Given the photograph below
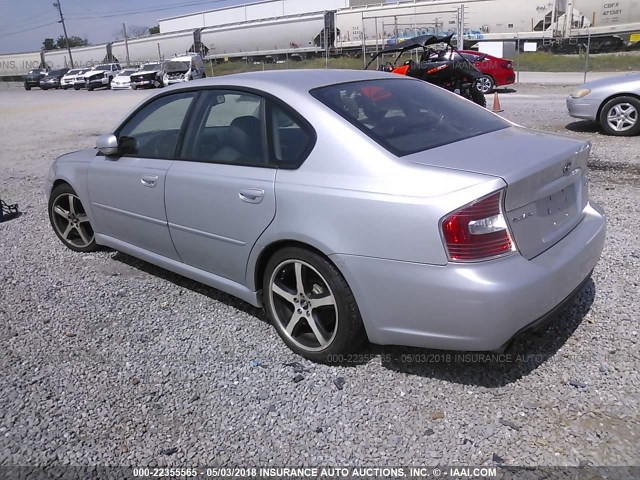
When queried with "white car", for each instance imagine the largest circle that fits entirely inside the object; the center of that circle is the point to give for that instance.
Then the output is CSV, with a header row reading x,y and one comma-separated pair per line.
x,y
101,76
69,78
122,81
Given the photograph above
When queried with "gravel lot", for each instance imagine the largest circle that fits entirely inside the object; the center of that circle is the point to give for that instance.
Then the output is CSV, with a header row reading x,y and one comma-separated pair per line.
x,y
108,360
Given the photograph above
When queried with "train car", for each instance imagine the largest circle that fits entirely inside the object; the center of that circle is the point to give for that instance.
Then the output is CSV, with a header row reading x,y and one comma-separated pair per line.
x,y
18,64
293,34
153,47
254,11
485,20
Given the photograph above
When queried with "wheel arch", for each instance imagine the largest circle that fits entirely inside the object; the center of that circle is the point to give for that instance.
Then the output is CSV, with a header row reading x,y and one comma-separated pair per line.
x,y
613,97
260,265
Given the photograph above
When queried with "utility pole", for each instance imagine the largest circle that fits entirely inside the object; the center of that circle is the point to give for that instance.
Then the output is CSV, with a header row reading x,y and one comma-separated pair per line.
x,y
64,28
126,42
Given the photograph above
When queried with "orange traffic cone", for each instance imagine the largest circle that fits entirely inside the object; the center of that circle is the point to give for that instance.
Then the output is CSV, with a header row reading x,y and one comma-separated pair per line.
x,y
496,104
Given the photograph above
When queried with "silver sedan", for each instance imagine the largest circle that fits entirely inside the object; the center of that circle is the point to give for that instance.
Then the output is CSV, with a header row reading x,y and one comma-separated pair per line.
x,y
350,205
613,102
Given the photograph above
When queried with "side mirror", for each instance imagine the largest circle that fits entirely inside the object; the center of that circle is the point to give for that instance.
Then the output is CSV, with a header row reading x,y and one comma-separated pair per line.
x,y
107,144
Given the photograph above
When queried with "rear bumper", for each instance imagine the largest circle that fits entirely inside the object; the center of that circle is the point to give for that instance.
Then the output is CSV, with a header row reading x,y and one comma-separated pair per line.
x,y
506,79
474,307
583,109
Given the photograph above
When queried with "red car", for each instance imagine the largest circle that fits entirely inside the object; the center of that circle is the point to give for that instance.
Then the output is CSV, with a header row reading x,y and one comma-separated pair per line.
x,y
497,71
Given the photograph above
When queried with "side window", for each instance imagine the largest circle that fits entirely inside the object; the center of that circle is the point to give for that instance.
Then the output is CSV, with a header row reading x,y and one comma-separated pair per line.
x,y
291,141
153,131
230,130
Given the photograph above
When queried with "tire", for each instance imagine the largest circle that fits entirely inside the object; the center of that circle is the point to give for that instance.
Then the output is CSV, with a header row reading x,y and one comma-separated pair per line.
x,y
318,332
134,86
478,97
70,221
27,87
76,88
89,88
44,89
109,84
485,84
619,117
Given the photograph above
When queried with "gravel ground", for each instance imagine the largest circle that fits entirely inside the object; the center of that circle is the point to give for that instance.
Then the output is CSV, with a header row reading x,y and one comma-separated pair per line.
x,y
108,360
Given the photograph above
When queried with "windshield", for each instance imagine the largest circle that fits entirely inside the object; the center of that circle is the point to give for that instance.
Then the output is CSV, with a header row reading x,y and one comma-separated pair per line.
x,y
408,116
36,71
126,73
102,67
151,67
57,72
73,72
177,66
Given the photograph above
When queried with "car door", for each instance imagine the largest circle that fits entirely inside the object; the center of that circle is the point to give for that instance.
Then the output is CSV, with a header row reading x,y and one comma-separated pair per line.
x,y
127,190
220,196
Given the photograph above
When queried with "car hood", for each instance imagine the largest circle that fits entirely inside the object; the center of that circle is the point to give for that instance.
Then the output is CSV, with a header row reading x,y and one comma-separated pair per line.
x,y
145,72
93,73
629,78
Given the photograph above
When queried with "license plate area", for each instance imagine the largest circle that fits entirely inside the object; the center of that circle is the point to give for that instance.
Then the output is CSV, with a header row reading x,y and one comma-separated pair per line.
x,y
558,212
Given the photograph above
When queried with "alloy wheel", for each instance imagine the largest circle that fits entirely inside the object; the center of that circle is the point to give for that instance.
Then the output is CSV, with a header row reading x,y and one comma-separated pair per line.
x,y
485,84
71,221
622,117
303,305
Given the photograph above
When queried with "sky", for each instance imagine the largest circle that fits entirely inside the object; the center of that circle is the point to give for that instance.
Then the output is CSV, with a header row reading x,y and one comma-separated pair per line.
x,y
24,24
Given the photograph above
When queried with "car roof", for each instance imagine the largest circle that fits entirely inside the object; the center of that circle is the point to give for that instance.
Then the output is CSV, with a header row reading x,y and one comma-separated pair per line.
x,y
300,81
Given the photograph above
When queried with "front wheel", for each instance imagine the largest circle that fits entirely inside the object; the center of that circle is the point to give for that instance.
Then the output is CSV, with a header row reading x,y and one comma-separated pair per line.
x,y
27,87
134,86
70,221
311,305
619,117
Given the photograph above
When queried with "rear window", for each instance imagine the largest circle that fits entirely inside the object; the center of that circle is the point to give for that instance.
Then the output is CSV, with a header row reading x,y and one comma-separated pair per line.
x,y
407,117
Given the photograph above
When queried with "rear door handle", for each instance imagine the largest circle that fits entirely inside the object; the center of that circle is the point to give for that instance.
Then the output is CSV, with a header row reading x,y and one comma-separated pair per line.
x,y
251,195
149,180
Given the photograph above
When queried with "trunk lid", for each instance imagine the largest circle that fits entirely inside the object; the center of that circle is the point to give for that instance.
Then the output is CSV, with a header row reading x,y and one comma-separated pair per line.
x,y
546,178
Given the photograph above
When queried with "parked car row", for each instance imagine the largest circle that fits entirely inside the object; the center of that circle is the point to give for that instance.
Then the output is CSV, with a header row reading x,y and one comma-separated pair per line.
x,y
113,75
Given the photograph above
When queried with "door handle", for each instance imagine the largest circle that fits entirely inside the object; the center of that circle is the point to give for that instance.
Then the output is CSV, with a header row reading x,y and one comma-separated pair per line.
x,y
251,195
149,180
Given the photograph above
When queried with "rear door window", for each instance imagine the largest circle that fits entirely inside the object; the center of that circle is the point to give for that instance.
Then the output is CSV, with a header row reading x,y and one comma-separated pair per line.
x,y
408,116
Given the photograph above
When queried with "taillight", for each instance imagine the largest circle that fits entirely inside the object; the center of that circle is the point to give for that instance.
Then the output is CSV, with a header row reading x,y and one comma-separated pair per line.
x,y
478,231
508,65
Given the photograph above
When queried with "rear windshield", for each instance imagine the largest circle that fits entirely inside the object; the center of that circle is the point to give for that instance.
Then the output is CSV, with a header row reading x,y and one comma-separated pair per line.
x,y
407,117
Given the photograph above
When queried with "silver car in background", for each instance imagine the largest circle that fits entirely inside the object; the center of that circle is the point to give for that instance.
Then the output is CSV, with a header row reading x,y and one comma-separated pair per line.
x,y
350,205
613,102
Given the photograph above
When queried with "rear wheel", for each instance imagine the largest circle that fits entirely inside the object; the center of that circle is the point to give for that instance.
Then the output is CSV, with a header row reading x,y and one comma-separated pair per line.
x,y
485,84
311,305
70,221
478,97
619,116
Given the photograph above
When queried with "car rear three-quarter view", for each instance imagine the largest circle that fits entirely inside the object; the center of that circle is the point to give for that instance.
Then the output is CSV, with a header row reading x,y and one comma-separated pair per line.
x,y
350,205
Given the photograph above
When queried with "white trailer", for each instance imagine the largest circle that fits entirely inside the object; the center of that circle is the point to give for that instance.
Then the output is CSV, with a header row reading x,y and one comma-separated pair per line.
x,y
16,64
250,12
153,48
292,34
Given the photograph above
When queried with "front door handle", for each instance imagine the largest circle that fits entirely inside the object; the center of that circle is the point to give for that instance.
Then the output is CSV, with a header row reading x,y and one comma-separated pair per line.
x,y
251,195
149,180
